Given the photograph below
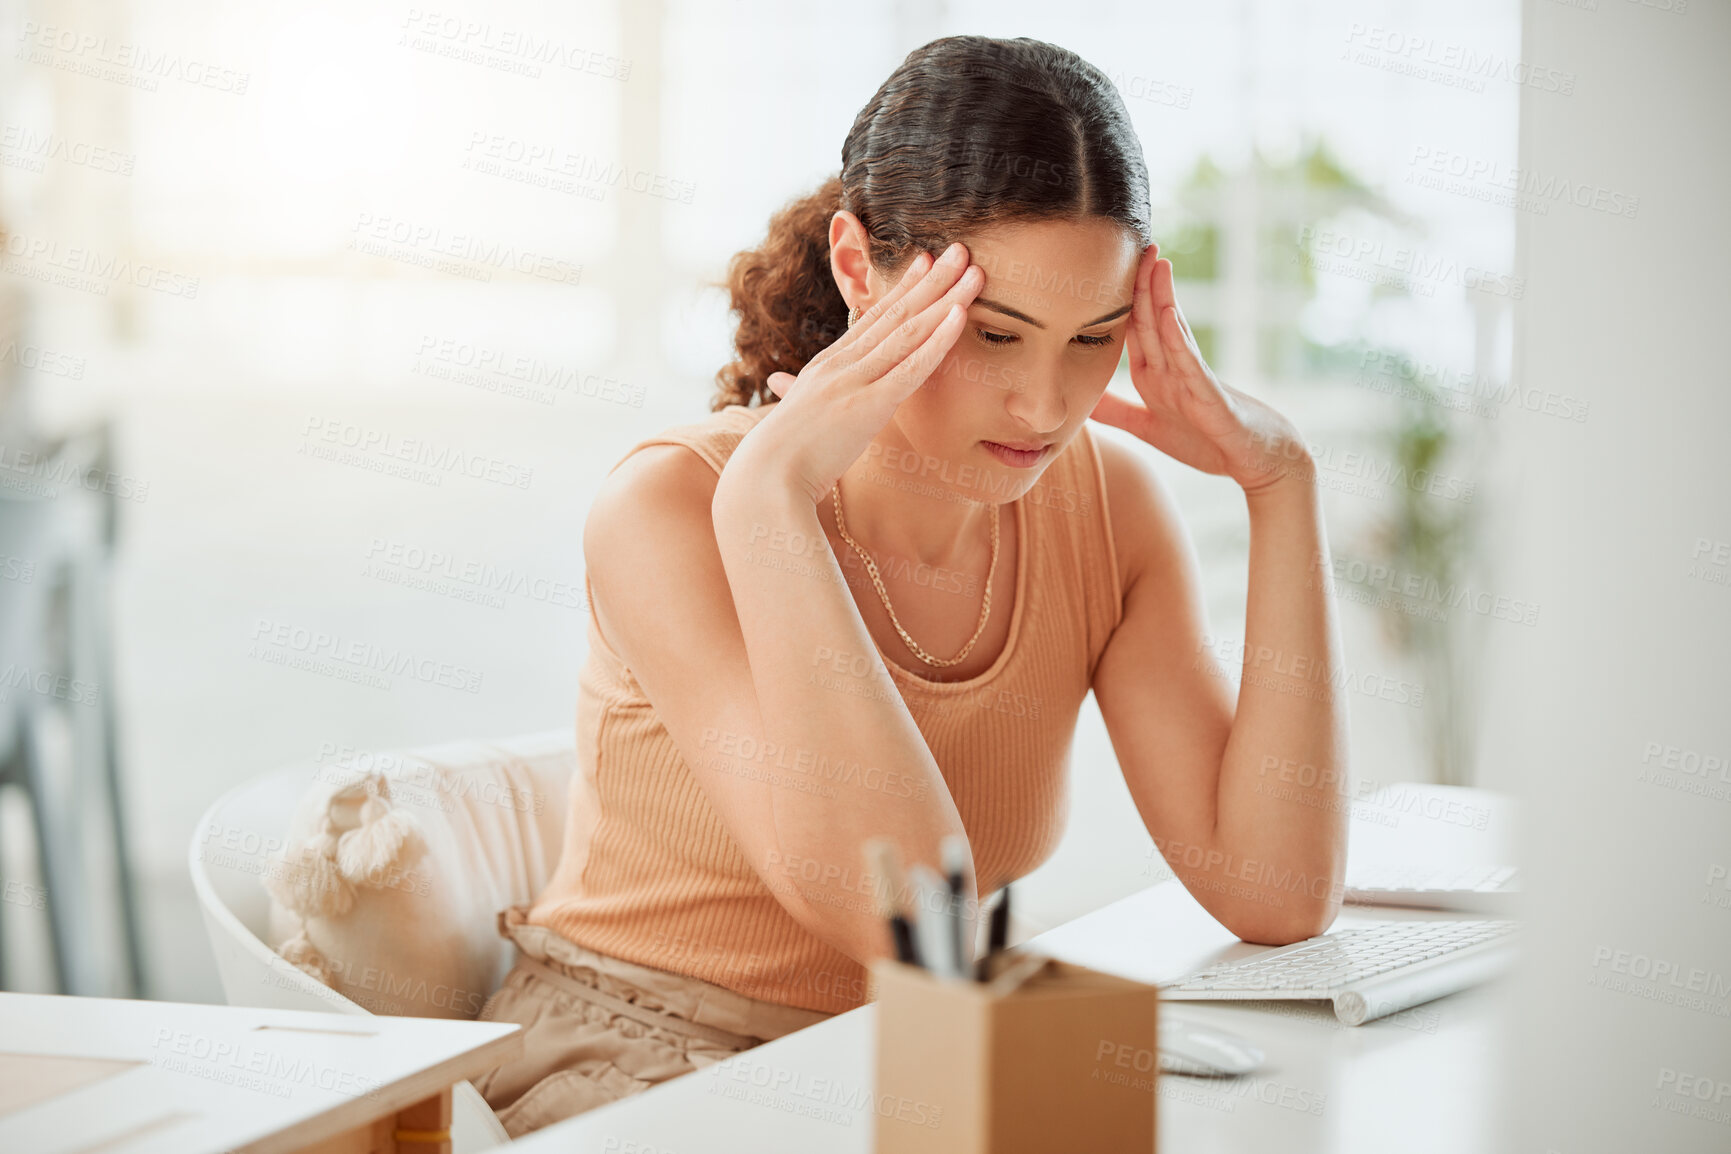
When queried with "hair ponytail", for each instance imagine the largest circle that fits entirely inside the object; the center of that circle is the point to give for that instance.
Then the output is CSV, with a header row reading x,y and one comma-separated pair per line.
x,y
785,296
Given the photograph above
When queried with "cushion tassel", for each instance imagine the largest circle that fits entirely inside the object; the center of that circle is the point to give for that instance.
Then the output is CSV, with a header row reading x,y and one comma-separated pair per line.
x,y
308,880
385,837
300,952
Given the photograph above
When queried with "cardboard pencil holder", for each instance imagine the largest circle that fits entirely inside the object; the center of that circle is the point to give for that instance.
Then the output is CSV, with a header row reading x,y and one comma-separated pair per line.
x,y
1065,1060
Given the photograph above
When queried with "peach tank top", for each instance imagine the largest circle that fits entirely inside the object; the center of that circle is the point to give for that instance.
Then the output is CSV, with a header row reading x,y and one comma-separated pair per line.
x,y
649,874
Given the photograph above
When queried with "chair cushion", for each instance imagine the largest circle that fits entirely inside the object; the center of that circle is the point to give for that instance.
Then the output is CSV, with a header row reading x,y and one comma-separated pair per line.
x,y
396,865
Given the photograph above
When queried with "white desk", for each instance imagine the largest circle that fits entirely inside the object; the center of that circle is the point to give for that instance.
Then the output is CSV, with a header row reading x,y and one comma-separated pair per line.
x,y
82,1075
1419,1082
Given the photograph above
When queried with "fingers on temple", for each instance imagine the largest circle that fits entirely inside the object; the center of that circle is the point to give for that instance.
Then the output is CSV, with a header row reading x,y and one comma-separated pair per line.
x,y
1167,299
852,344
1144,315
918,272
911,371
914,292
1164,292
884,349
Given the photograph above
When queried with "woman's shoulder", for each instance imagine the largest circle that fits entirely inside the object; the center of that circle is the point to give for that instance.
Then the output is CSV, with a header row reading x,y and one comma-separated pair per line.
x,y
1140,511
714,436
710,439
728,418
648,540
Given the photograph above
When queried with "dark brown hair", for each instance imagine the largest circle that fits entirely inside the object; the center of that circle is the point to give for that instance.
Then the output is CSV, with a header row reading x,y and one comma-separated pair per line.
x,y
968,132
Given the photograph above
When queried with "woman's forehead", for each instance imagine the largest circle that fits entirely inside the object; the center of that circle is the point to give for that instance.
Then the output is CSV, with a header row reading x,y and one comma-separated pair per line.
x,y
1068,271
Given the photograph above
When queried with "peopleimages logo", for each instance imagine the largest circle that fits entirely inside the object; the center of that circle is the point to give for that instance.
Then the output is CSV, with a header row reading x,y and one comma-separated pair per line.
x,y
87,269
23,147
830,1099
1428,58
328,438
1404,589
1467,386
443,572
505,49
74,690
282,642
531,378
134,65
1409,262
43,360
495,154
460,253
1660,979
736,748
253,1067
1296,674
1543,187
47,470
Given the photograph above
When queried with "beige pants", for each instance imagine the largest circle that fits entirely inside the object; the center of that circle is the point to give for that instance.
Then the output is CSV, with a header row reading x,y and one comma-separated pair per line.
x,y
597,1028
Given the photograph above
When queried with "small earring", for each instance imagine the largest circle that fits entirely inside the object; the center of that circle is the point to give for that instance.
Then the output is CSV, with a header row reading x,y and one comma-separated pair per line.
x,y
852,316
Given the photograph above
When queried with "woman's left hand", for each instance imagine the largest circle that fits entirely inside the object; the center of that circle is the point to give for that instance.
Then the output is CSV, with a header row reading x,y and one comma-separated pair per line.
x,y
1187,413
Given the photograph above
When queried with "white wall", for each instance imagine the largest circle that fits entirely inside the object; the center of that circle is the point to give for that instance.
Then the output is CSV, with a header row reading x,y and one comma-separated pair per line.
x,y
1634,647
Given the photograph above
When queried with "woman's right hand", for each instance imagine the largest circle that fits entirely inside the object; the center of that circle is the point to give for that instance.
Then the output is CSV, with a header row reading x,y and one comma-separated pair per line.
x,y
828,414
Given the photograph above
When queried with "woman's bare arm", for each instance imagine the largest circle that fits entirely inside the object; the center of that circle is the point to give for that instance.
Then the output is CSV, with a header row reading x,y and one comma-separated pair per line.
x,y
803,635
1244,801
803,792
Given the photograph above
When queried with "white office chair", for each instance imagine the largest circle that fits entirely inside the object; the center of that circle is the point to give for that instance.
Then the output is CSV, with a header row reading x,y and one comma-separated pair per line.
x,y
237,909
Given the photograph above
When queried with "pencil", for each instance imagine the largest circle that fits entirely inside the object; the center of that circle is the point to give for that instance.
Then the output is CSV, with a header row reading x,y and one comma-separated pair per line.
x,y
1000,931
998,935
955,855
882,861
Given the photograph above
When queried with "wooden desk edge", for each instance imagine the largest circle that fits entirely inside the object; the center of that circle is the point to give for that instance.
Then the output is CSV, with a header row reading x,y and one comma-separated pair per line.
x,y
360,1112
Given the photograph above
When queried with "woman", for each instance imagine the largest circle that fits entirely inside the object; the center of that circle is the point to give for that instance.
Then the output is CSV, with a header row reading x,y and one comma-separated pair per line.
x,y
756,706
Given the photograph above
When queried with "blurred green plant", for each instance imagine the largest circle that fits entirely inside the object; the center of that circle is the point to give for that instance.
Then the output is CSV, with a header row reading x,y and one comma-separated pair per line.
x,y
1287,199
1435,541
1291,204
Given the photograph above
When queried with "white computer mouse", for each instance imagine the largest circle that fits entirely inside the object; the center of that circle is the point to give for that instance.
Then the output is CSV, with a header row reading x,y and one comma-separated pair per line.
x,y
1186,1048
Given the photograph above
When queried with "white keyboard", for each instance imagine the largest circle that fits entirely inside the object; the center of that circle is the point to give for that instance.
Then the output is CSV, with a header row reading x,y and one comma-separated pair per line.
x,y
1367,973
1478,889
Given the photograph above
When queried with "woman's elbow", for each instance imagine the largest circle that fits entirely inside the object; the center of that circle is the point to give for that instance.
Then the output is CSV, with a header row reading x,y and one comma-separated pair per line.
x,y
1293,922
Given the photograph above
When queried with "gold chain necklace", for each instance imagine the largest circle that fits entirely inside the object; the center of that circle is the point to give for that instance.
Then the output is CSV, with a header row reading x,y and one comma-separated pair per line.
x,y
871,567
